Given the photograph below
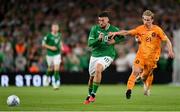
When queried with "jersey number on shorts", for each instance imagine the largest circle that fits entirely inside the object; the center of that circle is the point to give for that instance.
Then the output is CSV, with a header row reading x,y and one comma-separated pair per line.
x,y
106,60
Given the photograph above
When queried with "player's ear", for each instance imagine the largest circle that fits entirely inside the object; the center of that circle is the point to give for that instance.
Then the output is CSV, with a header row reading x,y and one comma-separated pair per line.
x,y
152,19
107,19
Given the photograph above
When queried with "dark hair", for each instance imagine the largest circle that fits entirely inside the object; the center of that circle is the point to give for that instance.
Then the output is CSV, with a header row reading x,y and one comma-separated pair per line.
x,y
104,14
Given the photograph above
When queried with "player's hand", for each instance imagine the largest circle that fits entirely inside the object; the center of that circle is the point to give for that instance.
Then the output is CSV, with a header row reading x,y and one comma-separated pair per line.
x,y
111,41
101,36
171,54
111,35
53,48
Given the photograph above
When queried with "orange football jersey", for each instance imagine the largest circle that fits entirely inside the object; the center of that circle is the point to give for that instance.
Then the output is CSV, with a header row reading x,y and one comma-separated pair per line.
x,y
150,41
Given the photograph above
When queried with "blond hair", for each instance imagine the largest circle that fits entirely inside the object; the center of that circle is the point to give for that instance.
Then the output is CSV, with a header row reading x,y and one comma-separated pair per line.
x,y
148,13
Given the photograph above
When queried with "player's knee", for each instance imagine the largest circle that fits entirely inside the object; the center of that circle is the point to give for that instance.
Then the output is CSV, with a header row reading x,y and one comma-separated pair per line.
x,y
56,68
144,77
99,69
137,71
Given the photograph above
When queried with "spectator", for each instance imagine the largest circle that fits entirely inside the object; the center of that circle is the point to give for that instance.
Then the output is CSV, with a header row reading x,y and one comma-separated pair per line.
x,y
121,62
130,57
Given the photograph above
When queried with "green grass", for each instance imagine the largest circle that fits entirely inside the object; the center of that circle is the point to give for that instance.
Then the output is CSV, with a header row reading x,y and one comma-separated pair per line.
x,y
109,98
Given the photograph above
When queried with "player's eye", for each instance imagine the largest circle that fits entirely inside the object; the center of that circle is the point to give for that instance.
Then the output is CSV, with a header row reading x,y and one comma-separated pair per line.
x,y
101,20
146,19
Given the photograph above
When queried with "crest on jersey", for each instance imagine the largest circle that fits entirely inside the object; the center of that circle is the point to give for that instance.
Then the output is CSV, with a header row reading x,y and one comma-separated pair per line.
x,y
153,34
56,40
137,61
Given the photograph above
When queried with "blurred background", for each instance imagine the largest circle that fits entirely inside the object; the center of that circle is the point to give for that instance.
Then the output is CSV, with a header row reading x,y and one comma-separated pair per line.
x,y
24,23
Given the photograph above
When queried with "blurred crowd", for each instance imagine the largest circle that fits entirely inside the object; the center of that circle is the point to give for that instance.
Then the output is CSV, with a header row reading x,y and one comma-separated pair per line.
x,y
24,23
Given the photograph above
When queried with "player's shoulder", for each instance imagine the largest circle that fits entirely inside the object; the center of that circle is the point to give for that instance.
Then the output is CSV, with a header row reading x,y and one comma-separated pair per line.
x,y
59,33
157,27
114,27
95,26
140,27
48,34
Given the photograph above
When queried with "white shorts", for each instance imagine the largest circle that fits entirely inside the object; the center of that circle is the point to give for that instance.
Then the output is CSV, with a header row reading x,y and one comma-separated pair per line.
x,y
53,60
104,61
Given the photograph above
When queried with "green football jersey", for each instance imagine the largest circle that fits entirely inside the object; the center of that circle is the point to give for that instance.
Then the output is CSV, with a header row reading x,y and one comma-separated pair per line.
x,y
102,48
53,40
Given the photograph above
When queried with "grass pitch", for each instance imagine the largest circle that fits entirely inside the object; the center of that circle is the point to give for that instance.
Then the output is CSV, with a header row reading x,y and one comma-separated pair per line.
x,y
109,98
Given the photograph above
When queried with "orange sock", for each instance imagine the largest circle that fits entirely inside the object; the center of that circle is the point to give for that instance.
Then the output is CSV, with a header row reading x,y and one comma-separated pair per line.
x,y
131,81
149,80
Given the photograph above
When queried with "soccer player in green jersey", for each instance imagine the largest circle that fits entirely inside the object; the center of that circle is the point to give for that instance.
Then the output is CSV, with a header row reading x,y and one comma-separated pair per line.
x,y
103,52
52,43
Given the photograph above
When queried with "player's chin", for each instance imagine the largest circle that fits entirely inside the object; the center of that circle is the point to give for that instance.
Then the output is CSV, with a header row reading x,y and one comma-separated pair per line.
x,y
102,25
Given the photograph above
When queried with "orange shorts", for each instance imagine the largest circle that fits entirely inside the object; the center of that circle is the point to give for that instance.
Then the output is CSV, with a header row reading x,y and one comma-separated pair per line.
x,y
147,66
141,62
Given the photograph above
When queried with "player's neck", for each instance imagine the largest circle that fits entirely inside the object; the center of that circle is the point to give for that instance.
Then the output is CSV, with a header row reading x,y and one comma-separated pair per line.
x,y
106,27
149,27
54,33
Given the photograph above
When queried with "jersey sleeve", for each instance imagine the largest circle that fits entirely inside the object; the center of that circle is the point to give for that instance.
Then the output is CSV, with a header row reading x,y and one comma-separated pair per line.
x,y
161,34
133,32
93,40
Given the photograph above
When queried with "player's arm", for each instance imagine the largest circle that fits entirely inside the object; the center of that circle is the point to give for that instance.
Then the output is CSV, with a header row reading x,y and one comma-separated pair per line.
x,y
123,33
168,42
61,45
53,48
92,40
44,45
116,39
170,48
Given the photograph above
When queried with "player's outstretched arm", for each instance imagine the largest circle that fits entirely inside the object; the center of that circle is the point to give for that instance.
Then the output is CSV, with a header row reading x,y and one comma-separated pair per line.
x,y
121,32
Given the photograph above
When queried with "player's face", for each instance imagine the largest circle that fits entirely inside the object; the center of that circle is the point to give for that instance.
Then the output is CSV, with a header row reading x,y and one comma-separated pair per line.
x,y
147,20
55,28
103,21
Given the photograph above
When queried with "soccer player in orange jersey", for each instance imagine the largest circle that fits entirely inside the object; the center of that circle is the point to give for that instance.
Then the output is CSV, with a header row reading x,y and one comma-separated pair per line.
x,y
150,37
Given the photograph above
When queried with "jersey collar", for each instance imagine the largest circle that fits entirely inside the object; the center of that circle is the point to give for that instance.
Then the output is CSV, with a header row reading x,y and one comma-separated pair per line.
x,y
107,27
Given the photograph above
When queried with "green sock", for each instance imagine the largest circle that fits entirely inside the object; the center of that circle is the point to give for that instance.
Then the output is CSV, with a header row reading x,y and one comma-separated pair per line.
x,y
49,73
90,89
95,87
56,76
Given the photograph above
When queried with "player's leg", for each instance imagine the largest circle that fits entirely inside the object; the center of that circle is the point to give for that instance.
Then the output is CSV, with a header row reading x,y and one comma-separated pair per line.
x,y
56,61
96,66
96,81
132,79
49,71
147,76
101,65
136,71
91,77
148,82
90,83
